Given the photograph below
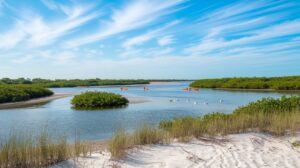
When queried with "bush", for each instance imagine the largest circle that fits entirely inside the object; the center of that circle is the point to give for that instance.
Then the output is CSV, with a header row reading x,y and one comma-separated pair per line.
x,y
14,93
98,100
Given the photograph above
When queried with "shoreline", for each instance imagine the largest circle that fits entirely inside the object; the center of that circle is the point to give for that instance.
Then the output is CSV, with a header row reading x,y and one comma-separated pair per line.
x,y
44,100
235,150
136,100
252,90
133,85
36,101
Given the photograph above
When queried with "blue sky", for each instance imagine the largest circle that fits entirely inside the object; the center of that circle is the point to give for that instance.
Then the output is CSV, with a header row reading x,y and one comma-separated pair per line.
x,y
183,39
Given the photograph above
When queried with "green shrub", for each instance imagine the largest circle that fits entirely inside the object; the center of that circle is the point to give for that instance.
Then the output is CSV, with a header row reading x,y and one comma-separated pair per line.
x,y
98,100
14,93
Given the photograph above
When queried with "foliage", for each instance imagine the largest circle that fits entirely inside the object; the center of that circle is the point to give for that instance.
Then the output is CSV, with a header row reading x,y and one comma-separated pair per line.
x,y
275,116
98,100
14,93
276,83
71,83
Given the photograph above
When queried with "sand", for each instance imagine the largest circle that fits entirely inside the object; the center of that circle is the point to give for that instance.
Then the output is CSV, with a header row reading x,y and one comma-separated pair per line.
x,y
135,100
239,150
44,100
33,102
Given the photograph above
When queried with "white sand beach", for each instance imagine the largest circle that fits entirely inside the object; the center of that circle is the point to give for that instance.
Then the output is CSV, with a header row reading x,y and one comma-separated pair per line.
x,y
239,150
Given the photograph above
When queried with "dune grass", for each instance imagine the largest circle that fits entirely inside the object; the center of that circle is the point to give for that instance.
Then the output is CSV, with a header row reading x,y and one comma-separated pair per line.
x,y
122,141
274,116
26,151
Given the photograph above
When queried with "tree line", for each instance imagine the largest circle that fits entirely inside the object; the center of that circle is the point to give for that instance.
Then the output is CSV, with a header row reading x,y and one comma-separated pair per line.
x,y
275,83
72,82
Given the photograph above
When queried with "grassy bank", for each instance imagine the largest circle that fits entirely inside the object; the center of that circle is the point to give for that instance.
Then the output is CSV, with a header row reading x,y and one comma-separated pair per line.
x,y
24,151
275,83
98,100
71,83
15,93
274,116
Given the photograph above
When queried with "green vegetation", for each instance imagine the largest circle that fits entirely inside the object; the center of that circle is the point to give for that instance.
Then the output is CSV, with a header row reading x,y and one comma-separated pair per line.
x,y
41,151
14,93
71,83
274,116
98,100
144,135
275,83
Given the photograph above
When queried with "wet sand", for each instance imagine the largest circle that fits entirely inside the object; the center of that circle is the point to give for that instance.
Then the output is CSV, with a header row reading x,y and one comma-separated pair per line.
x,y
44,100
32,102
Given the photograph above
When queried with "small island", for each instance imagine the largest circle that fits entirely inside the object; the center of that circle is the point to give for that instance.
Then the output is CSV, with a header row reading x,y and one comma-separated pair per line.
x,y
93,100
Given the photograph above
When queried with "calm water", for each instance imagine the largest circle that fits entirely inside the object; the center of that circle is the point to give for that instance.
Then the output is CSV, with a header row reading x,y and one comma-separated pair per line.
x,y
59,117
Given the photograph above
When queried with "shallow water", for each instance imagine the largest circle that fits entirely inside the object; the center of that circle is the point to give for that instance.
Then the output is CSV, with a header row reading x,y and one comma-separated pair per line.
x,y
59,118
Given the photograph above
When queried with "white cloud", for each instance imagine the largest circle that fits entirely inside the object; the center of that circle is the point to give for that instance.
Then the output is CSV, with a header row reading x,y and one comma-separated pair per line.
x,y
165,40
280,30
50,4
137,40
242,25
34,31
134,15
12,37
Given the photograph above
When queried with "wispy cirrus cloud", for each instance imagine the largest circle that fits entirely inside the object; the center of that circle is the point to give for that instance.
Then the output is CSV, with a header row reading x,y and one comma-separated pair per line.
x,y
134,15
51,38
33,30
165,40
150,35
243,25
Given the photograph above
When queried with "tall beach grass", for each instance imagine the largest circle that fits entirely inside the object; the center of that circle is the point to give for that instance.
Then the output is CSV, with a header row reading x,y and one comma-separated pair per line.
x,y
27,151
269,115
122,140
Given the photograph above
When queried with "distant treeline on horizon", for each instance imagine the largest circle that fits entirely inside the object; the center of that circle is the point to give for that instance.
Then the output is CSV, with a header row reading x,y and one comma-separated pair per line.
x,y
273,83
71,82
78,82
